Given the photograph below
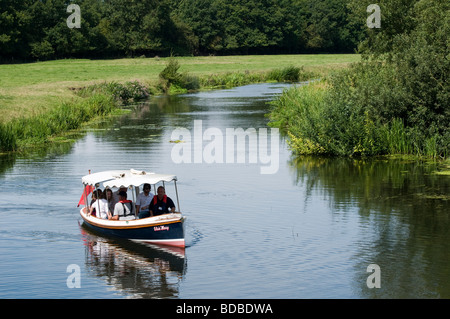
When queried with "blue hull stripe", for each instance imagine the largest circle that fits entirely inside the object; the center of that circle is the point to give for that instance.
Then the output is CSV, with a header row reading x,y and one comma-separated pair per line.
x,y
159,232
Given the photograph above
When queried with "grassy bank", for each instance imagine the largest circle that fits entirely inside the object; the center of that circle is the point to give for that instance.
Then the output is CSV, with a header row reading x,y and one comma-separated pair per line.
x,y
329,117
21,132
42,99
89,103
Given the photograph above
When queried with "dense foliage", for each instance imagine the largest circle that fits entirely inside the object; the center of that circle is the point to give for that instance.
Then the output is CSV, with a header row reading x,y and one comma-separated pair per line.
x,y
37,29
395,101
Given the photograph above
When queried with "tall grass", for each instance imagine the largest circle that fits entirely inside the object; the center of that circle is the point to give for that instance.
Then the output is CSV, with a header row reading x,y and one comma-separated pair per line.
x,y
232,79
172,81
298,112
8,140
70,115
123,92
397,139
228,80
96,100
290,74
316,124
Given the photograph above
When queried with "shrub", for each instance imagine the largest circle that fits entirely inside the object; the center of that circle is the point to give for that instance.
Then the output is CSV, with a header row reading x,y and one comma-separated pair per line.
x,y
124,93
189,82
287,74
169,75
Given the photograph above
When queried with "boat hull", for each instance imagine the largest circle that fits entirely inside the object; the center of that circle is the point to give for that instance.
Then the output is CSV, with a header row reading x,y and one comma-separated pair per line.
x,y
165,230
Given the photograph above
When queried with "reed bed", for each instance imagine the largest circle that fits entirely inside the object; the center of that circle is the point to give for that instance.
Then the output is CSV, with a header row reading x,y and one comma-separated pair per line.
x,y
21,132
317,124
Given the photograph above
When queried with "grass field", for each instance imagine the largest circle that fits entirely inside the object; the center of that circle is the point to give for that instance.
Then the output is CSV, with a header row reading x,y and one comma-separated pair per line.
x,y
34,88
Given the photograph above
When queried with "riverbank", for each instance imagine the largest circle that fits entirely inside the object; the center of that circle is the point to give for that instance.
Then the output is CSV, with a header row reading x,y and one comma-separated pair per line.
x,y
39,100
338,117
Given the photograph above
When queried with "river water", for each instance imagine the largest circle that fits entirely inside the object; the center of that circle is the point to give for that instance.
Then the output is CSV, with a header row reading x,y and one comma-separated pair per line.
x,y
308,228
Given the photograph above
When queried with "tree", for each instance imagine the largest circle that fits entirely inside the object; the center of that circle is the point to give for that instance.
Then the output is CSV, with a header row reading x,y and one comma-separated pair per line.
x,y
14,24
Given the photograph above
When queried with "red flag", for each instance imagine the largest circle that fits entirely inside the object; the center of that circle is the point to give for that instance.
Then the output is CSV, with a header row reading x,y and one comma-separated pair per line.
x,y
87,190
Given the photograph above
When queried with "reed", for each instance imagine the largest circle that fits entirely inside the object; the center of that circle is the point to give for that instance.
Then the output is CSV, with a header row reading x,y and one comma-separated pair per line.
x,y
316,124
298,112
127,92
290,74
8,141
397,139
24,132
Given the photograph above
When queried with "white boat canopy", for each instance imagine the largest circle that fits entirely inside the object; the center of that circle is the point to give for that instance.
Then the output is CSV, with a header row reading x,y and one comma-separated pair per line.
x,y
125,178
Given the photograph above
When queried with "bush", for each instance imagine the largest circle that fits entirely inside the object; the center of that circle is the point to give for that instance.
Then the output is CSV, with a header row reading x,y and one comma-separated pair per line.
x,y
287,74
189,82
124,93
352,113
169,75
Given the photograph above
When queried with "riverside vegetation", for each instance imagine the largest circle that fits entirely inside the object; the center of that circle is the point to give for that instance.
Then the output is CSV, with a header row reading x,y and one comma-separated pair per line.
x,y
394,101
103,98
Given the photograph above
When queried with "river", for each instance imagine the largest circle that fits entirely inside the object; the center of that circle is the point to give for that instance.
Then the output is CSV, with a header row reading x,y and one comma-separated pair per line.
x,y
260,223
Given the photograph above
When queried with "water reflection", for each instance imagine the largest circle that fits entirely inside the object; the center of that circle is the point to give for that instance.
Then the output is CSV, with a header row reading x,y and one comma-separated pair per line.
x,y
403,220
133,270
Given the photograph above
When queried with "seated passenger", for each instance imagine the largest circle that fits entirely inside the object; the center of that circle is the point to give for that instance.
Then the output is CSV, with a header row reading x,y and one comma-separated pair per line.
x,y
110,199
102,206
123,210
93,207
143,202
161,203
116,194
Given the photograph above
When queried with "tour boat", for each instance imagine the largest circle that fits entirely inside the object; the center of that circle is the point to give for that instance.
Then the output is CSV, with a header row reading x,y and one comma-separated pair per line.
x,y
166,229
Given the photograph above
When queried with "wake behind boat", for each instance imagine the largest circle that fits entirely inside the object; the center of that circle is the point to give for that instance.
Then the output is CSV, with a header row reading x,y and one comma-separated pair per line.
x,y
166,229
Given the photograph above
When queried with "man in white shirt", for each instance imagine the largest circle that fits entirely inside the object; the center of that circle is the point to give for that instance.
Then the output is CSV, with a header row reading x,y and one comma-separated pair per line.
x,y
123,209
143,202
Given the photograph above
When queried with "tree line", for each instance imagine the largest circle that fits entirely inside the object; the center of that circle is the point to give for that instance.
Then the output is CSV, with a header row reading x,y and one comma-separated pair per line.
x,y
38,29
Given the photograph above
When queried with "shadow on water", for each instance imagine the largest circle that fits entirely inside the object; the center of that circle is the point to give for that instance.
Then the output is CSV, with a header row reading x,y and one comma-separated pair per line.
x,y
403,216
132,269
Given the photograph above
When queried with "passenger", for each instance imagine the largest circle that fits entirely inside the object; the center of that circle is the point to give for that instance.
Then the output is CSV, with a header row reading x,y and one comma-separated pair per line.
x,y
102,206
116,194
110,199
123,210
143,202
92,208
161,203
